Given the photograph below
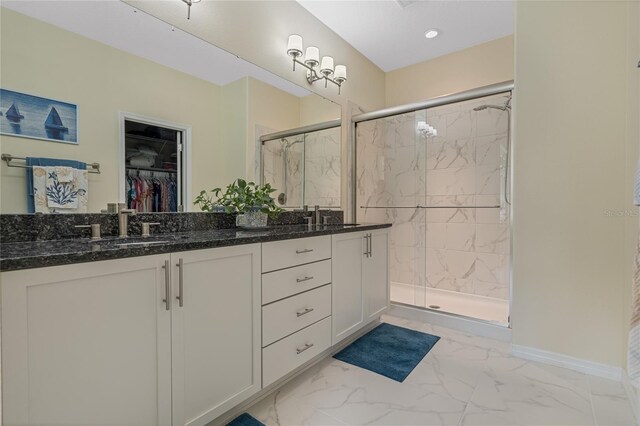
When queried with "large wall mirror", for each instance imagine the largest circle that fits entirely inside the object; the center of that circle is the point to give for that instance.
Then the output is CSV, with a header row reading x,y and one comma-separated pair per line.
x,y
153,104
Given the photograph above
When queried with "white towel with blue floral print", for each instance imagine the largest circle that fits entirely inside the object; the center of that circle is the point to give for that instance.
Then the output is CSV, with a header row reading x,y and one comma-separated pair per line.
x,y
51,195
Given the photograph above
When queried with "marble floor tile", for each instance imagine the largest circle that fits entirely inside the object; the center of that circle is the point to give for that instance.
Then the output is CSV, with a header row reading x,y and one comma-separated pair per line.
x,y
288,411
464,380
610,404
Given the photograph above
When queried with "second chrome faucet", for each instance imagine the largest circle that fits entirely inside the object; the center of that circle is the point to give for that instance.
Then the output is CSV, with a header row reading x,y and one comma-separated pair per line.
x,y
123,219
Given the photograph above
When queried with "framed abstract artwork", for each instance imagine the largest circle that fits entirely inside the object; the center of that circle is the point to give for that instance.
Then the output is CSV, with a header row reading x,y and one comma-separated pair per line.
x,y
33,117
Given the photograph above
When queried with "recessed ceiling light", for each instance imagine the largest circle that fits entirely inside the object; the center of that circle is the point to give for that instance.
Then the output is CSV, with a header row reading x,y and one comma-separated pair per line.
x,y
431,33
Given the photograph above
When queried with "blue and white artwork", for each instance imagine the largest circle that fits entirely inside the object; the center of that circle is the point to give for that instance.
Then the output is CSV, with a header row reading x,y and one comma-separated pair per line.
x,y
34,117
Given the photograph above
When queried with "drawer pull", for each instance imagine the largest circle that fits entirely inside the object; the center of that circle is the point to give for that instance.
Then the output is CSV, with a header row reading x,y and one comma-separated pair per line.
x,y
301,280
305,312
304,348
304,251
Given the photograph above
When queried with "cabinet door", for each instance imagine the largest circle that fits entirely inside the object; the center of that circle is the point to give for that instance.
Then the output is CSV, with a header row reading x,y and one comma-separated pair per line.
x,y
216,331
87,344
375,275
347,290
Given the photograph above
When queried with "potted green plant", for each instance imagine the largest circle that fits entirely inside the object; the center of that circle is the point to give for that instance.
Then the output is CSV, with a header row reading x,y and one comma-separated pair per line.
x,y
251,201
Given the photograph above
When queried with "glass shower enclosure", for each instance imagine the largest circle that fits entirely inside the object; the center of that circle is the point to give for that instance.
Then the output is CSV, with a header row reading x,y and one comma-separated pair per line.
x,y
440,175
304,167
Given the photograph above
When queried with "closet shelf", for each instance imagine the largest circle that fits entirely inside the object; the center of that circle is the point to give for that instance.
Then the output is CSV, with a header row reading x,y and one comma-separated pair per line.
x,y
150,169
148,138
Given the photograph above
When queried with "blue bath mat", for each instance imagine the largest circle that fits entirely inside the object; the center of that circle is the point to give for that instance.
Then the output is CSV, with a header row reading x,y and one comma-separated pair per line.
x,y
389,350
245,420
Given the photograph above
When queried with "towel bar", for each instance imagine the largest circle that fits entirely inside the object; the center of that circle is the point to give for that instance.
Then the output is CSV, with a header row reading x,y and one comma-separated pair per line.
x,y
8,158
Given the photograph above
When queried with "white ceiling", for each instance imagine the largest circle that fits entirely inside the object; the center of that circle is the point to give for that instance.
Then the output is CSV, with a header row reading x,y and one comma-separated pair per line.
x,y
391,33
119,25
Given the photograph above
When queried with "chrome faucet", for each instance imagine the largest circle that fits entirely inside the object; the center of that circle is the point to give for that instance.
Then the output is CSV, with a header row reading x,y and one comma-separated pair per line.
x,y
123,219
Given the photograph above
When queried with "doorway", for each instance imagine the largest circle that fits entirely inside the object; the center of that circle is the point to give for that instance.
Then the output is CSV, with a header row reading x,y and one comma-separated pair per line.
x,y
155,172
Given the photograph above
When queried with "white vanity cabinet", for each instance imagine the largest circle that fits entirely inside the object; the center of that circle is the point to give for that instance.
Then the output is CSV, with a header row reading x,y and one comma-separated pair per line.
x,y
87,344
99,343
360,280
296,311
215,326
182,338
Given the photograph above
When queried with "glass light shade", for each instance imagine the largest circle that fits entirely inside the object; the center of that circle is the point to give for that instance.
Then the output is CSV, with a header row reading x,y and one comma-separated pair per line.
x,y
340,73
422,125
312,56
326,66
294,47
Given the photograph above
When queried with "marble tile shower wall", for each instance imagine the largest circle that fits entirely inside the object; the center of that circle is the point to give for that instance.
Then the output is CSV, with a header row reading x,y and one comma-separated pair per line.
x,y
467,250
274,168
320,172
457,249
322,168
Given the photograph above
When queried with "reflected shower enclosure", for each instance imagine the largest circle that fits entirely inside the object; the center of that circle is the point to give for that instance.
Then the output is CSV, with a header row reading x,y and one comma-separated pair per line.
x,y
304,168
445,191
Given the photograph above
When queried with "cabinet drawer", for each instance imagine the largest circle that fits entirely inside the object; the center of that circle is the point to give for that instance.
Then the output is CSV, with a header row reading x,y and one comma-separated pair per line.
x,y
286,355
284,254
287,316
287,282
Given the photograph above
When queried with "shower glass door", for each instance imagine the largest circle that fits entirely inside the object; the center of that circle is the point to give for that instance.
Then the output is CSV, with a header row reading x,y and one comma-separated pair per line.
x,y
304,169
467,226
390,186
439,176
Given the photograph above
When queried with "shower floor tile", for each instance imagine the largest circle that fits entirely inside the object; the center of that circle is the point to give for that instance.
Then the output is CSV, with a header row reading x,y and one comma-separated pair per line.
x,y
463,380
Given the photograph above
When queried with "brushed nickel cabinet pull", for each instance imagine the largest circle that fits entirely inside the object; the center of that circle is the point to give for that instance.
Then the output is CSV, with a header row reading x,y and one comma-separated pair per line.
x,y
180,296
304,251
301,280
370,245
167,284
304,348
305,312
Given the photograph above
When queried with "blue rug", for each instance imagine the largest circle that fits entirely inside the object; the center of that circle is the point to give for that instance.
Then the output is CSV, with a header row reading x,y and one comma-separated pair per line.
x,y
245,420
389,350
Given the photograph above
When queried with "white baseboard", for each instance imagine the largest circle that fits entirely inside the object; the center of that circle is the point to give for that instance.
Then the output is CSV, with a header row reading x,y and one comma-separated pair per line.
x,y
455,322
566,361
634,396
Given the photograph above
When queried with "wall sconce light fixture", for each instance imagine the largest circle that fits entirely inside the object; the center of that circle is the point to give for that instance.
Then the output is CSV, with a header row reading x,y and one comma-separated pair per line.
x,y
316,69
189,3
426,130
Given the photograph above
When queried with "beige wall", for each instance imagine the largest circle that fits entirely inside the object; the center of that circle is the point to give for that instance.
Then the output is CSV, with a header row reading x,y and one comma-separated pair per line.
x,y
43,60
316,109
271,108
477,66
234,110
570,263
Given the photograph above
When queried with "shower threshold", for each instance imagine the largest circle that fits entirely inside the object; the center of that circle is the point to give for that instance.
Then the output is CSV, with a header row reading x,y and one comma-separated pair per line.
x,y
488,309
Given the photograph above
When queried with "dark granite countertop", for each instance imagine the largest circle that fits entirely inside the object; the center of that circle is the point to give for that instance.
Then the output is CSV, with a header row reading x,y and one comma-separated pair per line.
x,y
37,254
